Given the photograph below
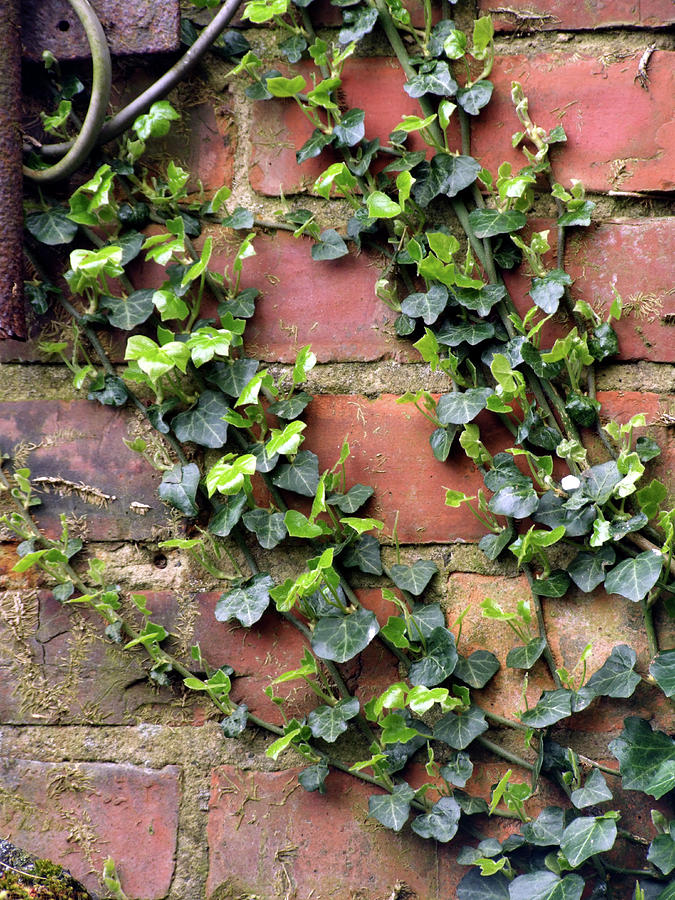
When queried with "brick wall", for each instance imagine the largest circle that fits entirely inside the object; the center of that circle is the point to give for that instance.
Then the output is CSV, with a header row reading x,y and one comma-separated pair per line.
x,y
96,762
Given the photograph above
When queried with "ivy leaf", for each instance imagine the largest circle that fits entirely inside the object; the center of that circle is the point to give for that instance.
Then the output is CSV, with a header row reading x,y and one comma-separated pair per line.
x,y
290,408
587,570
365,555
662,852
179,488
441,442
432,78
475,886
516,501
526,656
351,128
313,778
662,670
548,290
293,47
130,312
551,707
268,527
634,578
647,449
331,246
246,603
227,515
357,23
241,307
471,806
458,769
340,638
441,823
489,222
477,669
52,227
459,729
471,333
301,475
599,481
280,86
447,175
544,885
461,407
424,620
111,392
556,585
594,791
581,215
313,146
480,300
298,525
604,342
234,724
646,758
547,829
493,544
427,306
231,377
355,497
392,810
474,98
329,722
651,497
616,678
204,423
586,836
414,578
438,662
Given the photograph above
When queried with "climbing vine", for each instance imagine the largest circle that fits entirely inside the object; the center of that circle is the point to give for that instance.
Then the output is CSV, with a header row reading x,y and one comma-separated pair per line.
x,y
227,433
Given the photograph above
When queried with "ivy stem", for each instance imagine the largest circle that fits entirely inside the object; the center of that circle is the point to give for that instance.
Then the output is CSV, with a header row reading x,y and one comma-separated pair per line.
x,y
505,754
507,723
648,616
547,654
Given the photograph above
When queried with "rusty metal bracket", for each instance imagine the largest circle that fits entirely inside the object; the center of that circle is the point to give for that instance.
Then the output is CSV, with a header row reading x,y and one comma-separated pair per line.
x,y
142,26
12,312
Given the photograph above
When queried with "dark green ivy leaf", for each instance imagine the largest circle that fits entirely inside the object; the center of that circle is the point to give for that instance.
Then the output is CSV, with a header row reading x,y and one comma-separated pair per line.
x,y
441,823
313,778
662,851
594,791
392,810
127,313
227,515
233,725
459,729
111,391
329,722
552,512
52,227
441,442
646,758
587,570
203,424
351,128
458,769
474,98
548,290
427,306
526,656
241,219
432,78
246,603
447,175
290,408
599,481
556,585
547,829
489,222
493,544
157,412
662,670
331,246
179,488
438,662
268,527
551,708
313,146
471,333
475,886
545,885
603,342
241,307
480,300
293,47
516,501
365,555
579,216
647,449
355,497
477,669
582,409
634,578
424,619
461,407
301,475
616,678
340,638
585,837
357,23
231,377
414,578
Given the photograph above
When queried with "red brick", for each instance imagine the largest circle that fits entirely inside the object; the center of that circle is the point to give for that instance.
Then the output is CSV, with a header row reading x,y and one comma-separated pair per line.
x,y
570,15
270,837
631,256
279,128
618,134
82,442
123,811
330,305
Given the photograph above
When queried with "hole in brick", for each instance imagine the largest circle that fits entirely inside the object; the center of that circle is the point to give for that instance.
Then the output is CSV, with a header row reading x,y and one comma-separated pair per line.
x,y
160,561
64,25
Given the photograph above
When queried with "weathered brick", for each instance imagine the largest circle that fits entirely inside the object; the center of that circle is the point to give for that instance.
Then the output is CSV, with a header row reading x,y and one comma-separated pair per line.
x,y
78,814
279,128
569,15
81,442
607,257
618,134
270,837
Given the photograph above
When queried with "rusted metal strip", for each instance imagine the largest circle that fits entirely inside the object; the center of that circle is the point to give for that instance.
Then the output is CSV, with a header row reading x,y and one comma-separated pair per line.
x,y
12,311
141,26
